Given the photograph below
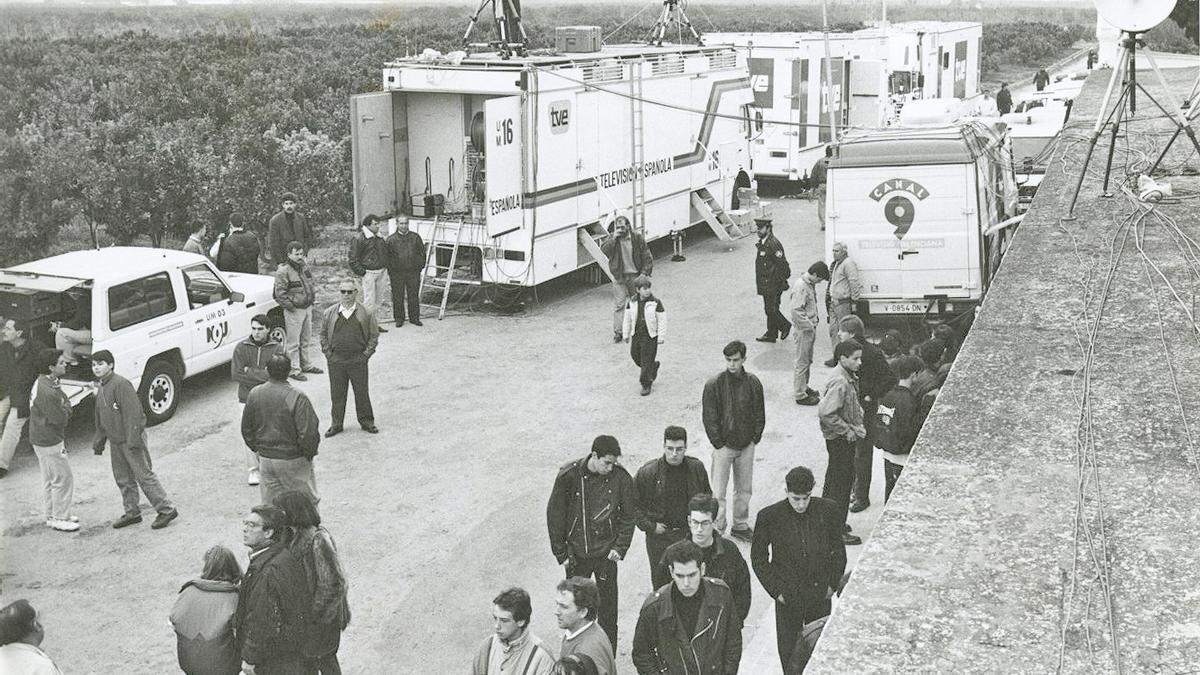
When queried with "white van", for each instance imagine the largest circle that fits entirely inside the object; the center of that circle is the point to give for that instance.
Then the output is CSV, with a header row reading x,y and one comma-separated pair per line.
x,y
914,208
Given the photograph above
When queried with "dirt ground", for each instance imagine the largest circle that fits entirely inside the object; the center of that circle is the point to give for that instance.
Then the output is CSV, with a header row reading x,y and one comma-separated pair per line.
x,y
446,506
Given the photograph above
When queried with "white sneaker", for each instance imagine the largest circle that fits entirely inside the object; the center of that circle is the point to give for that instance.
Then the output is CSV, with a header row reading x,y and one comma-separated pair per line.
x,y
254,478
62,525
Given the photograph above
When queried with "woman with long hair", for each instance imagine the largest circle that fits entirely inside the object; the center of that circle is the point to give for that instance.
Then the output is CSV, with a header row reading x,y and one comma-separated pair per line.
x,y
203,617
330,613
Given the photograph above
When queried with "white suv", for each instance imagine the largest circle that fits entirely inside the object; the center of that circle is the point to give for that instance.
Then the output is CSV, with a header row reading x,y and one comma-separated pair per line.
x,y
165,315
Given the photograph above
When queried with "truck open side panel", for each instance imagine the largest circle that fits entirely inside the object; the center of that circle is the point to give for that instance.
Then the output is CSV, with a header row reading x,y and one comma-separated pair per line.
x,y
376,121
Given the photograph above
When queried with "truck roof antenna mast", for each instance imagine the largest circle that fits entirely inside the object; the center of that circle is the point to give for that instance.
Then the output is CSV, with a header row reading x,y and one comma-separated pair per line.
x,y
510,32
672,13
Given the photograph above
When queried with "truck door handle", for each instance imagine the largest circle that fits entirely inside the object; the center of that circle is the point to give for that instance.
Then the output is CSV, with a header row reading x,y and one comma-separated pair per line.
x,y
904,253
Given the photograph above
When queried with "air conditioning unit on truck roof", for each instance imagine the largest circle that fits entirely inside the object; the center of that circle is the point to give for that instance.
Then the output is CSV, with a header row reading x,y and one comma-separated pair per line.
x,y
921,213
533,154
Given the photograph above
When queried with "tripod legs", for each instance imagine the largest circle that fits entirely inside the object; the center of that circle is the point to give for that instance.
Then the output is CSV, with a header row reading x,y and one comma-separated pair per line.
x,y
1101,121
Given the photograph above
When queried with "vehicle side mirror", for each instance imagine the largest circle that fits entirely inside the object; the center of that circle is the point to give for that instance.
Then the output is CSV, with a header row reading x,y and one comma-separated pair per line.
x,y
237,296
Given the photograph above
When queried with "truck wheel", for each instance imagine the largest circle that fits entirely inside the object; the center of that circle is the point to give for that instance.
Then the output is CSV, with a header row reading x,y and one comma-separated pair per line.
x,y
159,391
278,333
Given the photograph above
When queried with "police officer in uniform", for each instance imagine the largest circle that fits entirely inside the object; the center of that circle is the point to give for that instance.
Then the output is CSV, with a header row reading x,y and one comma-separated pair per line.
x,y
771,274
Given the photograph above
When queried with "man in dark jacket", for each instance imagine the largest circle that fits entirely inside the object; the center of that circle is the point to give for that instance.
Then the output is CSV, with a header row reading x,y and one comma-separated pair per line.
x,y
121,422
405,263
722,559
875,379
664,485
49,411
690,623
280,426
237,249
273,598
1041,79
628,257
285,227
771,274
734,419
896,422
348,339
18,372
1004,99
799,557
249,369
295,291
590,519
368,261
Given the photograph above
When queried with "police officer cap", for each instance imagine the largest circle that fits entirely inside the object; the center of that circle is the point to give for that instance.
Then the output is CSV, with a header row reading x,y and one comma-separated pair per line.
x,y
762,222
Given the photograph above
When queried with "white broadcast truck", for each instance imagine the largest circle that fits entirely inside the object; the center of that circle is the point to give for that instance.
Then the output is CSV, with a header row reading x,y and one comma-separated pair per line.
x,y
926,214
518,163
165,315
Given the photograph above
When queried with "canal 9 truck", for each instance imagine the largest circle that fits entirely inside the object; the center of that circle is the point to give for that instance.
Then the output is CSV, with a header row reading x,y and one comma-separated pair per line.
x,y
519,163
926,214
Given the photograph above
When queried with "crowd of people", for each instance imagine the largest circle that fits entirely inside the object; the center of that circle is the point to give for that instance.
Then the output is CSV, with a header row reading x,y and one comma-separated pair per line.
x,y
285,613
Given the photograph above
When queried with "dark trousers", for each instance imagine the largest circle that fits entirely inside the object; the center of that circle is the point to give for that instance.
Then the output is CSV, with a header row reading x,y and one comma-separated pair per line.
x,y
406,294
776,321
323,665
656,544
790,619
605,572
343,375
891,474
644,350
839,474
864,455
282,667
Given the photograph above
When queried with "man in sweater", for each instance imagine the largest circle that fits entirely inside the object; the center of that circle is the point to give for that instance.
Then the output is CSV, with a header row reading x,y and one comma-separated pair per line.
x,y
121,422
577,605
348,339
281,427
845,285
49,412
628,257
771,274
690,622
285,227
664,485
734,419
799,557
237,250
18,371
512,649
875,379
841,416
295,291
644,328
273,598
590,519
721,557
805,320
249,369
368,262
405,263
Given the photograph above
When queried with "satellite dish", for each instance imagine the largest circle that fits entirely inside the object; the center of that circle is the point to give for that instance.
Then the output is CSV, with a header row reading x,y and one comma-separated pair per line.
x,y
1134,16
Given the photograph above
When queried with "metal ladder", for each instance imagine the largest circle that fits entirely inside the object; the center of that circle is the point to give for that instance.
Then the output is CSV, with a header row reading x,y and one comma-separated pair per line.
x,y
639,152
718,220
441,231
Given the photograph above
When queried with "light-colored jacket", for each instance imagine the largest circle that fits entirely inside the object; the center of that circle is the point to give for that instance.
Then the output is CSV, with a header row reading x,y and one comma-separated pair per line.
x,y
656,318
845,283
804,304
527,656
840,412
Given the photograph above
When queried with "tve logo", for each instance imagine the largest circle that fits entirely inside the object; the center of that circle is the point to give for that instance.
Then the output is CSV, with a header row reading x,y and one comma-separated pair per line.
x,y
560,116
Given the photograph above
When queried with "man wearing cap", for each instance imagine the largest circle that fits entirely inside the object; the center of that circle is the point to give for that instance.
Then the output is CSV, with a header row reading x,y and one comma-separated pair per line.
x,y
771,273
285,227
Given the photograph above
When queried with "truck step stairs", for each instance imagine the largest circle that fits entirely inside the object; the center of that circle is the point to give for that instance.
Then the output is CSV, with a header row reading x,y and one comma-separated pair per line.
x,y
447,234
718,220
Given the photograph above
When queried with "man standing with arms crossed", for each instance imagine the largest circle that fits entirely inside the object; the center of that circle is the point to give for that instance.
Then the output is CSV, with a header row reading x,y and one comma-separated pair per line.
x,y
121,422
349,338
405,263
285,227
628,257
368,262
295,291
734,419
805,320
590,519
664,485
845,285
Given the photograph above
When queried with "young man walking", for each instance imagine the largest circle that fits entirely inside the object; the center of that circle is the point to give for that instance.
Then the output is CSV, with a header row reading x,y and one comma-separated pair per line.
x,y
121,422
348,339
512,649
368,262
664,486
273,598
576,608
405,263
628,257
644,328
805,320
249,369
590,518
799,557
875,379
771,274
295,291
689,623
722,559
734,419
281,428
285,227
841,417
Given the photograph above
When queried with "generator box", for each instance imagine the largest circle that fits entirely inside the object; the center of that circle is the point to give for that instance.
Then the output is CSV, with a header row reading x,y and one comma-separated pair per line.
x,y
425,205
577,39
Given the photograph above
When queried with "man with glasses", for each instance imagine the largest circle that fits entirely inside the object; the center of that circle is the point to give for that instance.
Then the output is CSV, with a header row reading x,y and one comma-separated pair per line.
x,y
722,558
348,339
249,369
590,519
664,485
799,557
273,597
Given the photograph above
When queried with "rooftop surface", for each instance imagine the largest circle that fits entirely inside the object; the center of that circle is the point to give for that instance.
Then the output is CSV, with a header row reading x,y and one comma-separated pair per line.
x,y
108,263
1047,521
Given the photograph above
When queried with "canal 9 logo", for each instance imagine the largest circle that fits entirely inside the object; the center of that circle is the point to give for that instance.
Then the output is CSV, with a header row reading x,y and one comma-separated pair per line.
x,y
899,209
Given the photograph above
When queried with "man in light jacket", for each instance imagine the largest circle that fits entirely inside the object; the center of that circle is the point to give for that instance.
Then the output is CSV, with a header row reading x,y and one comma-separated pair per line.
x,y
295,291
804,320
845,286
512,649
49,411
841,416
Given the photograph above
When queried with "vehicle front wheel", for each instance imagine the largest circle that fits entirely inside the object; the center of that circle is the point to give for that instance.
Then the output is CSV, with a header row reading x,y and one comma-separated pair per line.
x,y
159,391
278,333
